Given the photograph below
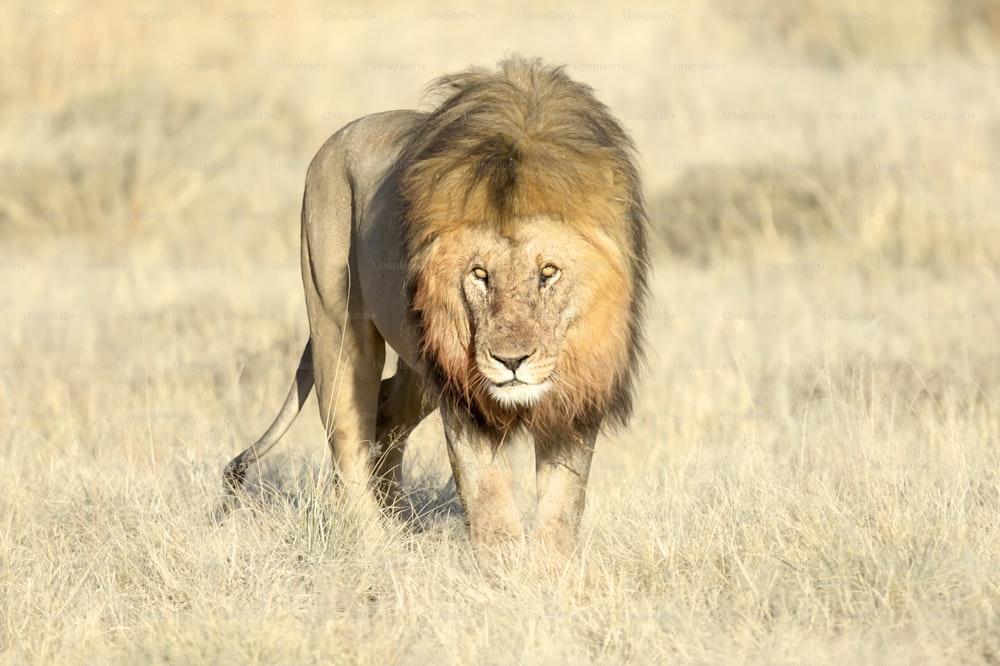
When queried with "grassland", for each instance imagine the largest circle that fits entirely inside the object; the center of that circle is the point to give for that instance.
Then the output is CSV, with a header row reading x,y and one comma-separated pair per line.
x,y
813,472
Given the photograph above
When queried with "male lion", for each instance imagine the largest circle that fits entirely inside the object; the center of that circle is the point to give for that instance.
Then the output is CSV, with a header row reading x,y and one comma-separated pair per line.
x,y
498,245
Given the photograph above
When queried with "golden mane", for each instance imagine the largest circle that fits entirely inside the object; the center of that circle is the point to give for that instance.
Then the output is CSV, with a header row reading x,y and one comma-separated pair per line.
x,y
517,143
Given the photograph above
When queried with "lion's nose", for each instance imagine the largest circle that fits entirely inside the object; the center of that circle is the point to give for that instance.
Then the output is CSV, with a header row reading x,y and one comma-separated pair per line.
x,y
512,363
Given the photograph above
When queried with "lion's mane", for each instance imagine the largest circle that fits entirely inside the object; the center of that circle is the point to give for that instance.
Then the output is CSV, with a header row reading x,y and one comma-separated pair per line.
x,y
527,140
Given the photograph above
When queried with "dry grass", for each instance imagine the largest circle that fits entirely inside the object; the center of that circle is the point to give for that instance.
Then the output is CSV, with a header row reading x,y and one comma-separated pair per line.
x,y
813,473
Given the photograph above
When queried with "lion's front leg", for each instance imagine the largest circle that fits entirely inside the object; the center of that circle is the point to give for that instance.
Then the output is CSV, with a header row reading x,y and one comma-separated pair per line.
x,y
562,468
485,485
401,409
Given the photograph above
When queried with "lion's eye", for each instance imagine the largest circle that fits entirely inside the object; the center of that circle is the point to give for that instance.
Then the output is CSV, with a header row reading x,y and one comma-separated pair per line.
x,y
549,273
480,273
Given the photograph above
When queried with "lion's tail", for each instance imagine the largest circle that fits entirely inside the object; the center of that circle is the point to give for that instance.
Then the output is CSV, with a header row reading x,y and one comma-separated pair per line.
x,y
236,470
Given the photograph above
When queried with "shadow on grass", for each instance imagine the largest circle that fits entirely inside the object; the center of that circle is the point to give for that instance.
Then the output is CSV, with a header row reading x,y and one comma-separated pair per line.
x,y
279,486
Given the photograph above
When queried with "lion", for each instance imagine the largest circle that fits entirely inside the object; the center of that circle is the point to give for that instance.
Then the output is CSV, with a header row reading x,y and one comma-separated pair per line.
x,y
498,245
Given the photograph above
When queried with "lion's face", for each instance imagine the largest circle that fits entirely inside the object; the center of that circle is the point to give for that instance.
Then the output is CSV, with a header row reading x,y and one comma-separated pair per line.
x,y
528,308
520,293
526,242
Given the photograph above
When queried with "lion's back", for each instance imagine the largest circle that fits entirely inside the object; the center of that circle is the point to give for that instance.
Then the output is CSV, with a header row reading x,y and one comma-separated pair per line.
x,y
363,157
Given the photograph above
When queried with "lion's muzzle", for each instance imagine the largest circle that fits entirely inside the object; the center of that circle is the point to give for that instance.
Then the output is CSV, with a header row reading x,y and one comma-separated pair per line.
x,y
515,379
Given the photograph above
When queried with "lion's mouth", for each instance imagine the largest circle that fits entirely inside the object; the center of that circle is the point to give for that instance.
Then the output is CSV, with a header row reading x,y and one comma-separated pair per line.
x,y
516,393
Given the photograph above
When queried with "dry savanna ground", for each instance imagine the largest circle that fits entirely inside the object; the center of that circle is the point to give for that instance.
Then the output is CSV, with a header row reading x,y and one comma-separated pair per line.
x,y
812,474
